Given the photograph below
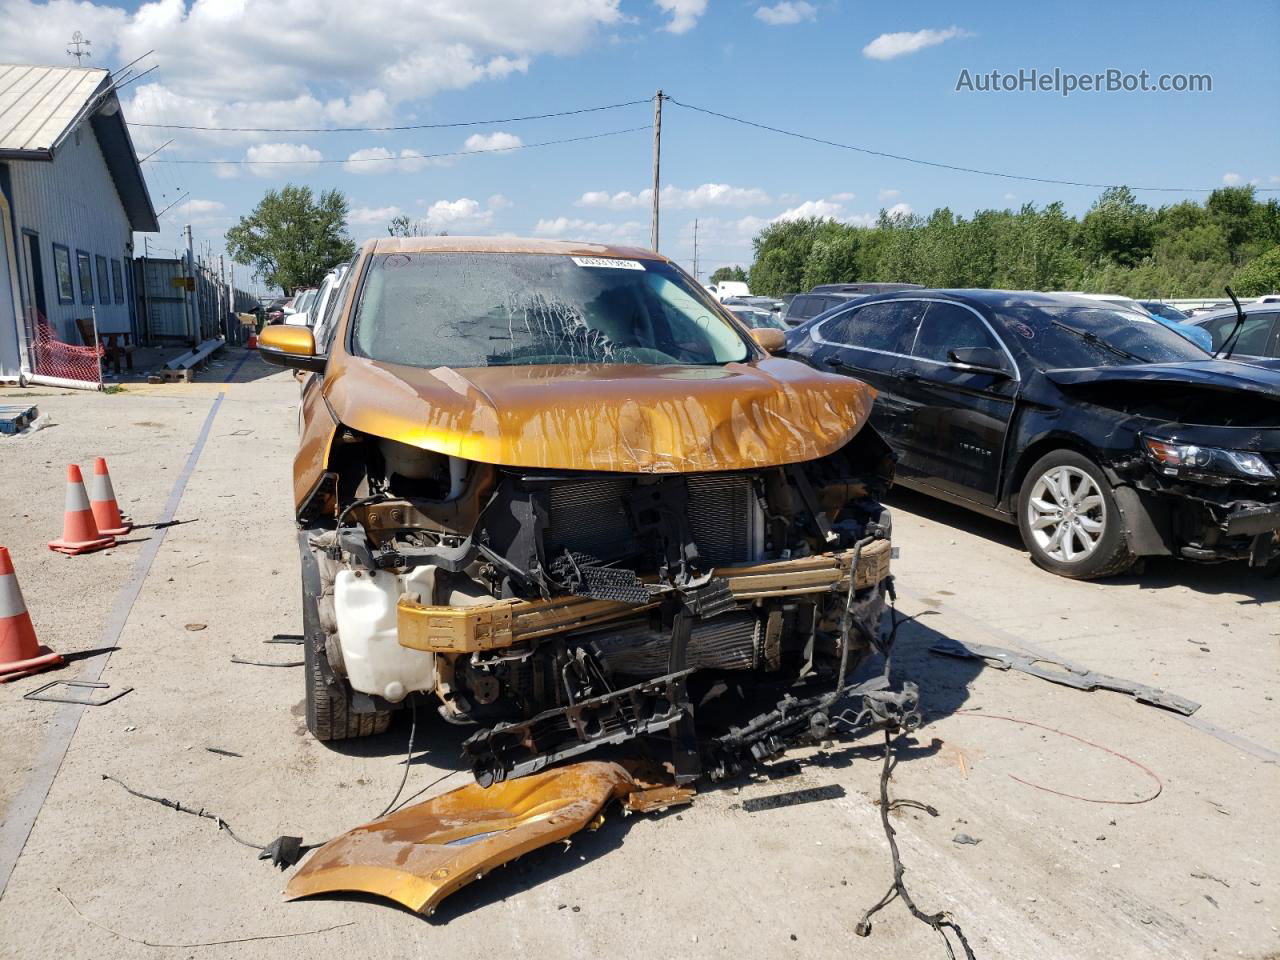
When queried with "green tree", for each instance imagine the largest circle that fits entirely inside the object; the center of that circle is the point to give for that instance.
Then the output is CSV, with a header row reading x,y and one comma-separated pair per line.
x,y
782,251
1117,228
1261,275
833,255
729,273
292,239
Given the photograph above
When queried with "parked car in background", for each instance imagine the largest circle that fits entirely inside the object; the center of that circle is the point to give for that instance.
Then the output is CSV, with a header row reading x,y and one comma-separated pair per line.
x,y
1259,335
755,318
1166,310
805,306
1105,440
299,315
273,310
1191,333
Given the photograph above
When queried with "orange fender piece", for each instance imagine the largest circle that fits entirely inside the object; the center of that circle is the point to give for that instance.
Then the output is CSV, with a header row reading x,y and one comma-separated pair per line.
x,y
420,855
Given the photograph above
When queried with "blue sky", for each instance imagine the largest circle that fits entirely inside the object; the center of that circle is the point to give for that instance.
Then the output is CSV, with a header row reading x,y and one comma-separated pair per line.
x,y
877,75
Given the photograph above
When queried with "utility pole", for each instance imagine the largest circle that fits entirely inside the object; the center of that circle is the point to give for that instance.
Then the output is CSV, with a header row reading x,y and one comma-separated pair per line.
x,y
657,162
189,296
697,276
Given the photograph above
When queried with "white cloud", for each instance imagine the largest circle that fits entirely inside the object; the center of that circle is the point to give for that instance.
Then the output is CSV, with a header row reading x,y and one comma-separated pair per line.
x,y
492,141
196,211
1238,180
1010,196
787,12
569,228
372,216
675,198
281,159
888,194
455,213
890,45
842,197
264,63
382,160
812,208
196,205
684,14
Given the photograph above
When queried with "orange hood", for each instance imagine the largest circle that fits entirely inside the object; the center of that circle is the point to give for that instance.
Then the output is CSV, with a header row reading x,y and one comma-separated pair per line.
x,y
623,418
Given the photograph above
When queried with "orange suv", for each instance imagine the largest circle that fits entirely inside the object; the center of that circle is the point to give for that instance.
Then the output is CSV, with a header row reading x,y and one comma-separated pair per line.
x,y
558,489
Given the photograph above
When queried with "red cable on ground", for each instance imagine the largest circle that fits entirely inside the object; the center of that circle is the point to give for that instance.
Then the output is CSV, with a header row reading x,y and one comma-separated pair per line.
x,y
1062,733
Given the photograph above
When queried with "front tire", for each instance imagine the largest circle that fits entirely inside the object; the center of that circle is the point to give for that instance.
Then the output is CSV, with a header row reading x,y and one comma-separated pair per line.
x,y
1069,519
328,699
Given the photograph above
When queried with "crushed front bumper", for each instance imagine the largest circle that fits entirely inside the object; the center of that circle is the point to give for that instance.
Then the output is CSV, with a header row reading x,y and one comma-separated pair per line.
x,y
503,623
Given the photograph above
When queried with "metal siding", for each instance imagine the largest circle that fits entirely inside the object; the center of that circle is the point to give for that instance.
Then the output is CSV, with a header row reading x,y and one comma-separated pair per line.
x,y
72,200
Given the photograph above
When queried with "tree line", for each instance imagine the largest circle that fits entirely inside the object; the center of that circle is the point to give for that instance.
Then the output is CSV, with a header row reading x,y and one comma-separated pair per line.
x,y
1119,246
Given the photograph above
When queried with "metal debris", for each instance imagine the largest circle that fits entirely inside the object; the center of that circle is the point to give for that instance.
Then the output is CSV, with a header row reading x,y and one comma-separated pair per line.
x,y
87,699
1067,674
808,795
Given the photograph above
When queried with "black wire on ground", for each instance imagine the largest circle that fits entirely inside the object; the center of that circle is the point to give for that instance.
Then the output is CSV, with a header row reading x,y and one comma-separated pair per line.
x,y
942,921
285,851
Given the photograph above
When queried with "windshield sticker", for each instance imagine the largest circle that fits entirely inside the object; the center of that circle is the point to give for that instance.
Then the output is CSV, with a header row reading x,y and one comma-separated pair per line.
x,y
1023,330
608,262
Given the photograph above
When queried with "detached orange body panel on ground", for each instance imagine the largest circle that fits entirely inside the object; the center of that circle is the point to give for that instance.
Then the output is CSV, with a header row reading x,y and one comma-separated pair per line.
x,y
419,856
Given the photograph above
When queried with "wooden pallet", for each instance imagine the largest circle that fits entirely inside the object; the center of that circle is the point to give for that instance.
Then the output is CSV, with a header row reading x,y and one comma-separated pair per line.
x,y
16,418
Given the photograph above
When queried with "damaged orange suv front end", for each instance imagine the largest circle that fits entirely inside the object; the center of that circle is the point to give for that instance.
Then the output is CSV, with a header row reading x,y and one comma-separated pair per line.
x,y
556,488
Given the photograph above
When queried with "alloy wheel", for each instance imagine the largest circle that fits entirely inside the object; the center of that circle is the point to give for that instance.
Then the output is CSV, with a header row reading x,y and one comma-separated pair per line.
x,y
1066,514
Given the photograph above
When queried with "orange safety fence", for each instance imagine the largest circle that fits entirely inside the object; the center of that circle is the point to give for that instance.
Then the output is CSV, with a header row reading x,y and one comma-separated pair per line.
x,y
55,358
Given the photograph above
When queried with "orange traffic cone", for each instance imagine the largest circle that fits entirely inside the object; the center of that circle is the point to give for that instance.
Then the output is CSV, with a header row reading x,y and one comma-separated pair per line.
x,y
79,532
252,344
20,652
102,499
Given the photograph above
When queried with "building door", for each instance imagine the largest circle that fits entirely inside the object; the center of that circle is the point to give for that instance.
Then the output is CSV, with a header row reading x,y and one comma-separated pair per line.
x,y
34,275
10,299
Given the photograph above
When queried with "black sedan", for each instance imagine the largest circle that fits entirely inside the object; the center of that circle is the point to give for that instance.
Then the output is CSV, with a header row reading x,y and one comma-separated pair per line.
x,y
1104,436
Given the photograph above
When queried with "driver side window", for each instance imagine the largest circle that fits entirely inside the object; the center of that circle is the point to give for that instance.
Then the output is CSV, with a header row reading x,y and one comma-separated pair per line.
x,y
947,327
888,326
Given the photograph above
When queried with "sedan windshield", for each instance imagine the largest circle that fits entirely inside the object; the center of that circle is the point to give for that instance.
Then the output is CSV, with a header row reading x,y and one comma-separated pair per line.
x,y
500,309
1092,336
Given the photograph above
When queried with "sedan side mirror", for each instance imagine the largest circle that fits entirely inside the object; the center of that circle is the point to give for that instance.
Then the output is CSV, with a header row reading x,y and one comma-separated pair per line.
x,y
290,346
978,360
769,339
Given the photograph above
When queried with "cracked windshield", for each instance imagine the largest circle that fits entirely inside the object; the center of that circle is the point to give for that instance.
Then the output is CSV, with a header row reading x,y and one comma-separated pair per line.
x,y
485,310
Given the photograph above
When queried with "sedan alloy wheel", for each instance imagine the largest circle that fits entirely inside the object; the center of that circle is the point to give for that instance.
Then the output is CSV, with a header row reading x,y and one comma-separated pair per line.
x,y
1067,514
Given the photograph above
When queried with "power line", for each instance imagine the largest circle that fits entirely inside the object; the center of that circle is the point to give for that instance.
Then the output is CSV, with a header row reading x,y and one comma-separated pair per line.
x,y
413,126
420,156
933,163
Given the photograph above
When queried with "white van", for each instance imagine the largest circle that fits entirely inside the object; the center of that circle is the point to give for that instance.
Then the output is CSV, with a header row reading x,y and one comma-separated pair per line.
x,y
729,288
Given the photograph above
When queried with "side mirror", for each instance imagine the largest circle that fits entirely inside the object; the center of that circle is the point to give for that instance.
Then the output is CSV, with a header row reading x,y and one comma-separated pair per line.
x,y
290,346
978,360
769,339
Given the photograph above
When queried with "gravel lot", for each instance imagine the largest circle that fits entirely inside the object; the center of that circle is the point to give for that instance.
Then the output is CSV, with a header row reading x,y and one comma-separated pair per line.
x,y
1190,873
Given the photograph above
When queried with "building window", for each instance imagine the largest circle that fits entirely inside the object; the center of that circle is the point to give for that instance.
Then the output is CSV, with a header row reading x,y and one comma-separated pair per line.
x,y
117,281
84,267
62,269
104,280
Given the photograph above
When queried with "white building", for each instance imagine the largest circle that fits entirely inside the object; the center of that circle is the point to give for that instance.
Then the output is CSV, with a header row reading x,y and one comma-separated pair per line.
x,y
71,196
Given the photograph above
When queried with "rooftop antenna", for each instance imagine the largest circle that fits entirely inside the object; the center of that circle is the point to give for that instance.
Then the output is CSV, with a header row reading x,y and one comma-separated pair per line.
x,y
77,40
